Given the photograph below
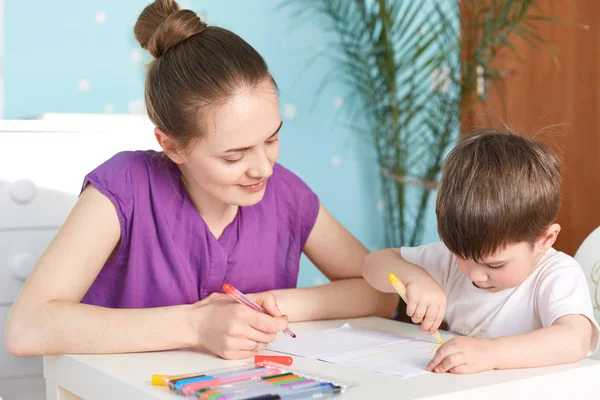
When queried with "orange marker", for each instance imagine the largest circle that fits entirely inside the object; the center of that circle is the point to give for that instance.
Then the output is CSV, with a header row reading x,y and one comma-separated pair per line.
x,y
283,360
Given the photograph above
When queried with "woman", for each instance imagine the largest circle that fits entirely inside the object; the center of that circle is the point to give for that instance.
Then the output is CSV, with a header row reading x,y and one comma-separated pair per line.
x,y
139,263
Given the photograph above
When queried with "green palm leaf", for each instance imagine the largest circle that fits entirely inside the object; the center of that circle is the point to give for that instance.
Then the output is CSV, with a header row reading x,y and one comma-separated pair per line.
x,y
408,84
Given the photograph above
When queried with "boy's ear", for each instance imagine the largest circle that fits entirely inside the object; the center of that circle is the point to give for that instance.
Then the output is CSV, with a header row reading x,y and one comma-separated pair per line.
x,y
169,146
548,238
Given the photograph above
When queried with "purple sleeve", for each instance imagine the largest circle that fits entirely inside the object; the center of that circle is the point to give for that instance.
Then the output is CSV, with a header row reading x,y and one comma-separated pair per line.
x,y
309,207
300,204
113,179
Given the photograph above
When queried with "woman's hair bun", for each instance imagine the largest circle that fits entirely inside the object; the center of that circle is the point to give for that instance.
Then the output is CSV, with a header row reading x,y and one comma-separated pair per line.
x,y
162,25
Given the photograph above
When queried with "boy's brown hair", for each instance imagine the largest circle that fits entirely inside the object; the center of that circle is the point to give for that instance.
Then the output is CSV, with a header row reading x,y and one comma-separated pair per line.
x,y
497,188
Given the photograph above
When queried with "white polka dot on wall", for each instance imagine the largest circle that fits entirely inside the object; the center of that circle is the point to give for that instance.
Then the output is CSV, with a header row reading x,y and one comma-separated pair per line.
x,y
375,247
318,280
289,111
136,55
338,101
380,206
440,79
84,85
336,161
101,17
136,107
109,108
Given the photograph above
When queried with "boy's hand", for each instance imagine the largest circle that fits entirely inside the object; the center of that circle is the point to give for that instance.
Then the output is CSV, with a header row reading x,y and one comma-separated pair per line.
x,y
463,355
426,303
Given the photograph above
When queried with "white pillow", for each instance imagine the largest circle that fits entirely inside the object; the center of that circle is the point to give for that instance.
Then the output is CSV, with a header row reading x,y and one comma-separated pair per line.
x,y
588,255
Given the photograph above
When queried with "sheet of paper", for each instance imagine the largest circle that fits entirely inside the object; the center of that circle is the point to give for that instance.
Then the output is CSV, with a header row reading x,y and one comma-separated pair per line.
x,y
403,359
321,344
365,349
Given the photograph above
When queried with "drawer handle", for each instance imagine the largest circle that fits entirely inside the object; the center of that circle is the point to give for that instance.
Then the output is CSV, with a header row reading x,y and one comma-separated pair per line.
x,y
22,191
22,265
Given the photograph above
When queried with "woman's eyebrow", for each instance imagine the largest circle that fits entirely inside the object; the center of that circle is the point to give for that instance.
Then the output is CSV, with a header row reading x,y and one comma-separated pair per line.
x,y
246,148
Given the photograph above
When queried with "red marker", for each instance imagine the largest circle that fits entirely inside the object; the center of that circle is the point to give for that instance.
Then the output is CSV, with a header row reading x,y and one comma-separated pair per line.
x,y
241,298
282,360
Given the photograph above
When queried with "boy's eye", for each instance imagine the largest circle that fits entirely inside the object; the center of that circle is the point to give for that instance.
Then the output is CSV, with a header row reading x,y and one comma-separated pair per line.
x,y
232,161
496,266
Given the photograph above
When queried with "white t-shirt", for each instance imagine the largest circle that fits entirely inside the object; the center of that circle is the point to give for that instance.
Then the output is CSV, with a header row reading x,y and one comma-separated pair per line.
x,y
556,287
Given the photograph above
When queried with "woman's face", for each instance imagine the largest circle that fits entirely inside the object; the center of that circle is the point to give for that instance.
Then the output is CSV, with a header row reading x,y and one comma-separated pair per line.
x,y
231,164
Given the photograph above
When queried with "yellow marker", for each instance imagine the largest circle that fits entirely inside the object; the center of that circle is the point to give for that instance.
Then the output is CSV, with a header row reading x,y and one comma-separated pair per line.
x,y
163,380
399,287
160,380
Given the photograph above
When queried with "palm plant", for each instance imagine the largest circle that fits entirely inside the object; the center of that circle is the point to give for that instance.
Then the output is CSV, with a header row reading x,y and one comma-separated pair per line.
x,y
411,67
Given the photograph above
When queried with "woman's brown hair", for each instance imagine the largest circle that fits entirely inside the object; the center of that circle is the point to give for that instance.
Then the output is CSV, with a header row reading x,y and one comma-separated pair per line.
x,y
195,66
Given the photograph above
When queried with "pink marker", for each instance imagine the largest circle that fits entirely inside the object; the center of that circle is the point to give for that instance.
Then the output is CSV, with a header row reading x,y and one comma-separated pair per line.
x,y
241,298
191,388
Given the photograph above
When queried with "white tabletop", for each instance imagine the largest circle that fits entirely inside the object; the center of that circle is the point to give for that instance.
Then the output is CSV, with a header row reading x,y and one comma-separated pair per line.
x,y
127,376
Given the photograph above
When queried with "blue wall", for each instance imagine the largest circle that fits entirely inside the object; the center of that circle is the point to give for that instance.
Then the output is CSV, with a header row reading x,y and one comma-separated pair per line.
x,y
80,56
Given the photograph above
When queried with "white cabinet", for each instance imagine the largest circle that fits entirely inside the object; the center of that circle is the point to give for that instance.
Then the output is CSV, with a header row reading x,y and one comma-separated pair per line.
x,y
42,168
26,388
19,251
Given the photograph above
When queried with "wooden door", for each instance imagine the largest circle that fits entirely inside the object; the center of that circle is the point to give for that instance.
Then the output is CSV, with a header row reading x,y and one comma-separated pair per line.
x,y
564,96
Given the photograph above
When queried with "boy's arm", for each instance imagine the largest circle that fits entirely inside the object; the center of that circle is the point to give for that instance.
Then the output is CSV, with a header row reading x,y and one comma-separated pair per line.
x,y
426,301
567,340
379,264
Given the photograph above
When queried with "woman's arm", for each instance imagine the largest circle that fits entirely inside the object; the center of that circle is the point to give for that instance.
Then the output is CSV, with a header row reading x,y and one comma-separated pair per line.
x,y
340,257
48,318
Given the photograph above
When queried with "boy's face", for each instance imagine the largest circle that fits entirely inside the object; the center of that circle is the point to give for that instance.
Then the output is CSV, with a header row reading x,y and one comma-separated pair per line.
x,y
509,267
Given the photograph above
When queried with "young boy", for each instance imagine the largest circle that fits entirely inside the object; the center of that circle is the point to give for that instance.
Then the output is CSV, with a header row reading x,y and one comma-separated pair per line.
x,y
517,301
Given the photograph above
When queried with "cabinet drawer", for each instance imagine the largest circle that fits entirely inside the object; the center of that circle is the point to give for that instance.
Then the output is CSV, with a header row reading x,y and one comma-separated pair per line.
x,y
11,366
26,205
19,252
39,187
40,183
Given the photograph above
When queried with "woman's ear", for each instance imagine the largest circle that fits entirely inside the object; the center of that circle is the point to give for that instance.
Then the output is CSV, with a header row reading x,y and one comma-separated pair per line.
x,y
548,238
169,146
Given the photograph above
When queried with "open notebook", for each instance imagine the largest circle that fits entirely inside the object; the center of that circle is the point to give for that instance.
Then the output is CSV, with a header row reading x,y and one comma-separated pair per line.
x,y
376,351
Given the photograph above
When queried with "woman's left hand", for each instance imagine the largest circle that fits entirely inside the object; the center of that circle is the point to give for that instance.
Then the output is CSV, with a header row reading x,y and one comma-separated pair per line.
x,y
464,355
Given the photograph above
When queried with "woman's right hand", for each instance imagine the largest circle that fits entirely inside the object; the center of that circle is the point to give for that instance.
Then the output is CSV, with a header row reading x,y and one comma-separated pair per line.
x,y
426,303
234,331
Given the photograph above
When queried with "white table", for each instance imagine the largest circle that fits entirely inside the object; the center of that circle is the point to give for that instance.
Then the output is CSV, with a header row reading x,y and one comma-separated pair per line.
x,y
127,376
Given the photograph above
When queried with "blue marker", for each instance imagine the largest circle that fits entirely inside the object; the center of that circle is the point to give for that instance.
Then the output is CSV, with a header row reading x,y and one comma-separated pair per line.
x,y
280,393
182,382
